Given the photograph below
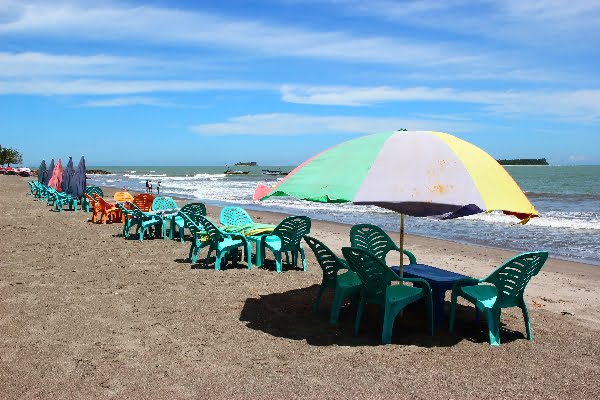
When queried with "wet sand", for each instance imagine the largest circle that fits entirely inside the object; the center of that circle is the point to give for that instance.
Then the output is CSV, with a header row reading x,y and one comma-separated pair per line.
x,y
85,313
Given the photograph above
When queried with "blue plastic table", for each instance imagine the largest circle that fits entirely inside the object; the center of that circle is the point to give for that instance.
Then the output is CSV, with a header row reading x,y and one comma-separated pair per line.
x,y
440,281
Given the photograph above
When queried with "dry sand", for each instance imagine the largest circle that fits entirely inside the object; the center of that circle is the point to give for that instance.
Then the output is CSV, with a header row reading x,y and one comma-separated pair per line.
x,y
85,313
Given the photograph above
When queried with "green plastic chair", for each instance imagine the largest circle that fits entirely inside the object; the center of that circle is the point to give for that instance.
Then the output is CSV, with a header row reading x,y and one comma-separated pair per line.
x,y
374,239
345,285
192,222
376,279
165,203
285,238
191,210
91,190
144,221
220,242
129,218
234,216
503,288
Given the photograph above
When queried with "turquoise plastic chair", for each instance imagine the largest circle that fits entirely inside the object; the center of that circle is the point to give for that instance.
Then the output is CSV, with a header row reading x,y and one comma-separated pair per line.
x,y
144,221
191,210
129,218
234,216
376,278
503,288
374,239
345,284
220,242
91,190
164,203
192,222
285,238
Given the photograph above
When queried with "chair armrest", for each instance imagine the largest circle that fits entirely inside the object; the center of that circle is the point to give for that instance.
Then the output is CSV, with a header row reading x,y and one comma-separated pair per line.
x,y
410,255
422,282
465,282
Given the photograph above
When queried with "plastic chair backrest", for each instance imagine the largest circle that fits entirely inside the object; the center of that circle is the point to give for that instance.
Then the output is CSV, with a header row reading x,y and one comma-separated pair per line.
x,y
94,189
122,196
512,277
194,227
143,201
212,231
291,231
329,262
373,239
234,216
163,203
101,201
373,273
126,208
193,209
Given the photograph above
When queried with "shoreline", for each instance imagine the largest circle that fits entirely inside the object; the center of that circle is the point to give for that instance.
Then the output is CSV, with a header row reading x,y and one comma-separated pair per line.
x,y
85,313
393,234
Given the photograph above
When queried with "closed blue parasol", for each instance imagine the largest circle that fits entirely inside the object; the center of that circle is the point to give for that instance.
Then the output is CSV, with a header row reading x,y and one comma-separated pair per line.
x,y
49,172
42,172
78,180
67,176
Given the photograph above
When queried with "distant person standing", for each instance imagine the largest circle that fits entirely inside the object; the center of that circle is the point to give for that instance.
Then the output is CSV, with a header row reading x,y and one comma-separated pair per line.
x,y
150,187
147,186
158,187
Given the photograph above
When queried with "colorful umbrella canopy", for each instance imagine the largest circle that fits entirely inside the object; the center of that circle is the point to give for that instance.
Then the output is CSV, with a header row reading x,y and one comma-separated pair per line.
x,y
418,173
42,172
49,172
67,176
78,180
57,175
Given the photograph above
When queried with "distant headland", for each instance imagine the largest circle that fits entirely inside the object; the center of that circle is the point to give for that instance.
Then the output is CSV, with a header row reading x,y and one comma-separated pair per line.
x,y
248,163
524,161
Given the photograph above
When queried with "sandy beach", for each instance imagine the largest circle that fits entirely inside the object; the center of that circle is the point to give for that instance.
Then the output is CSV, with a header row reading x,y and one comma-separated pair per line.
x,y
85,313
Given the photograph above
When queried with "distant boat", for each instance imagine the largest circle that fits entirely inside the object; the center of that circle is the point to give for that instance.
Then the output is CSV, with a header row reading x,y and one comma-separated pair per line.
x,y
246,163
231,172
273,172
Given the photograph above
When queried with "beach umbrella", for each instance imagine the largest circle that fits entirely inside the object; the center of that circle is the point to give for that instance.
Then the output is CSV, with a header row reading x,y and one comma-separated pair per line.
x,y
42,172
67,176
417,173
57,175
78,180
49,172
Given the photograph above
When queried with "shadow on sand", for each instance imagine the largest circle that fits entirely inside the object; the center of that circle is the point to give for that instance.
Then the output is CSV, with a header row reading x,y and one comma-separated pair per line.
x,y
289,315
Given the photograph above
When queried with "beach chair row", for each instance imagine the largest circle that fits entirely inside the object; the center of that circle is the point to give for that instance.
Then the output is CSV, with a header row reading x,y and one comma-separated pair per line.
x,y
361,276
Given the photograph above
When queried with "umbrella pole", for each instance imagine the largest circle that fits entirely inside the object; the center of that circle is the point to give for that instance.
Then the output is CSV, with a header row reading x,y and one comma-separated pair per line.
x,y
401,245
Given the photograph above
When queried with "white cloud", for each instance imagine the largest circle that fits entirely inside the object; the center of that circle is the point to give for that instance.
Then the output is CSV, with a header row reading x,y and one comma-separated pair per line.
x,y
129,101
577,158
28,64
112,87
576,105
282,124
116,22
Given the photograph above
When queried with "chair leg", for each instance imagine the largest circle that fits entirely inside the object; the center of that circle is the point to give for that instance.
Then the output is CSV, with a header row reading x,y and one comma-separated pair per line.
x,y
317,302
303,258
493,318
336,305
249,254
277,261
523,307
359,313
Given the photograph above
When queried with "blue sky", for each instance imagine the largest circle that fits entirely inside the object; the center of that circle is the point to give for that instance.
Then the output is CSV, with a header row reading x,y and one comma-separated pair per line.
x,y
210,83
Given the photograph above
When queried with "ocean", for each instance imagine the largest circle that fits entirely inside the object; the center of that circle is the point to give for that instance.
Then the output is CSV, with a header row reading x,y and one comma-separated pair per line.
x,y
567,198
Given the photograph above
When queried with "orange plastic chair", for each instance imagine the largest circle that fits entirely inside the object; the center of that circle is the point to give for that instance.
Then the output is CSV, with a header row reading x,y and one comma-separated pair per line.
x,y
123,196
143,201
109,211
96,210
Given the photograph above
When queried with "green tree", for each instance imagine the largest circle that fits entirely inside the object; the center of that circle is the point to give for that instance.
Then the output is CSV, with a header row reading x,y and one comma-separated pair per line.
x,y
10,156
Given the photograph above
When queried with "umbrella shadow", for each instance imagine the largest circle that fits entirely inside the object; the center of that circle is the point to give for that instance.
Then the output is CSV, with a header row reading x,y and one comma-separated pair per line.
x,y
289,315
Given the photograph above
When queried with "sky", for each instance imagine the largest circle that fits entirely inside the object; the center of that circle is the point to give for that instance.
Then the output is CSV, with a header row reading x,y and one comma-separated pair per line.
x,y
277,81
